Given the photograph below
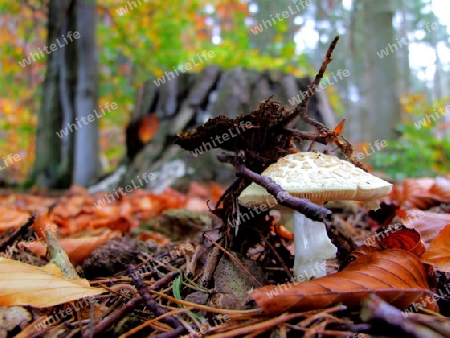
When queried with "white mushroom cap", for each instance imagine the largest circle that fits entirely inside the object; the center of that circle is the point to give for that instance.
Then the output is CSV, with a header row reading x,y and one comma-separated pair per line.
x,y
318,177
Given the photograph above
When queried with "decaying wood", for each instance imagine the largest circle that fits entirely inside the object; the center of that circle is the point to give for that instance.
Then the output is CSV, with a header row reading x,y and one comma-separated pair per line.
x,y
195,98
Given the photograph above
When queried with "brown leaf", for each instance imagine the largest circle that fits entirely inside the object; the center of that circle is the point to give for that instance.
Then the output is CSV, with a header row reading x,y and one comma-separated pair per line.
x,y
438,253
395,276
404,239
10,218
24,284
428,224
338,129
441,189
78,249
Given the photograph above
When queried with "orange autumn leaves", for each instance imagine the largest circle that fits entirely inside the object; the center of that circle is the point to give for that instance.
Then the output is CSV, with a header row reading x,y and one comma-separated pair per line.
x,y
82,227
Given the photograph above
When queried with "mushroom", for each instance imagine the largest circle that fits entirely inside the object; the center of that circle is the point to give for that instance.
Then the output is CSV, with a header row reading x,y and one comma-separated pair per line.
x,y
318,177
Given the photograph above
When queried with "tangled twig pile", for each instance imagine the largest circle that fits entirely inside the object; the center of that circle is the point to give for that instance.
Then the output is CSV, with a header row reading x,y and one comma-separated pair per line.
x,y
272,135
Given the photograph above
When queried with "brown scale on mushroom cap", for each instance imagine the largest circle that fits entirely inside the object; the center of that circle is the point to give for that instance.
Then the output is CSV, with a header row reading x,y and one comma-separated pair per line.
x,y
318,177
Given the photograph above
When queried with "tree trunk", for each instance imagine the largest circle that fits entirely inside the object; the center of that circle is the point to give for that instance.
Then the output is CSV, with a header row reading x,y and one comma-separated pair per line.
x,y
381,94
50,167
87,163
70,93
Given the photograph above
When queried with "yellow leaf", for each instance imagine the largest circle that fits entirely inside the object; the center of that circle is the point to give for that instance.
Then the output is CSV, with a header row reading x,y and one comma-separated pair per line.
x,y
25,284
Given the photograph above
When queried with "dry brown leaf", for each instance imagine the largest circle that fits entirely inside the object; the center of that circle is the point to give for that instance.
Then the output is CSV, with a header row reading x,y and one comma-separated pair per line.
x,y
395,276
24,284
428,224
404,239
78,249
417,193
422,193
10,218
438,253
441,189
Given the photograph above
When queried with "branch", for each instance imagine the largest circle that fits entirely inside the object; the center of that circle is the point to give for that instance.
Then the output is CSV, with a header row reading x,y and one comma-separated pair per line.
x,y
300,109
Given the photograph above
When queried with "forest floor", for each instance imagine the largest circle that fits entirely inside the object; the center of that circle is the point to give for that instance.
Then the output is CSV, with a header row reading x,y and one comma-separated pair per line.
x,y
149,267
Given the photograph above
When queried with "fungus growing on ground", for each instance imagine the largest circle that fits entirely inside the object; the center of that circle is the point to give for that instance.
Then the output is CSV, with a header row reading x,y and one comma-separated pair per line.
x,y
319,178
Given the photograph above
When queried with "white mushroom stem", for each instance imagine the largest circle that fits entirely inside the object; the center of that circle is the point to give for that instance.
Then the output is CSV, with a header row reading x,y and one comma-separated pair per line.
x,y
311,243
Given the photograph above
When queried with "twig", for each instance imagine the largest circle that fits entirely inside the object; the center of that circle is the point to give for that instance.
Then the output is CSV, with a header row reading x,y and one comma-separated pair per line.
x,y
59,257
210,267
178,332
109,321
259,326
150,302
16,234
300,109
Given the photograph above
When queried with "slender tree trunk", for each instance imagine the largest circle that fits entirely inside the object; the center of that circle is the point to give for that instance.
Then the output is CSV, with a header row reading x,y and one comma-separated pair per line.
x,y
404,66
382,104
47,167
87,163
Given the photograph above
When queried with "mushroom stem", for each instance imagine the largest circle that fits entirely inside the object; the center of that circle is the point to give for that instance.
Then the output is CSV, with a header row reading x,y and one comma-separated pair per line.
x,y
312,248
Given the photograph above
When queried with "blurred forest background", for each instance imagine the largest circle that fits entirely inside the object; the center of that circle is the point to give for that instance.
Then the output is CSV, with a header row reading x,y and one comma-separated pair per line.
x,y
396,52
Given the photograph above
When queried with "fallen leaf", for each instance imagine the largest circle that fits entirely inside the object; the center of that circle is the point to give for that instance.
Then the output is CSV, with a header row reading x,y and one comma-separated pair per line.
x,y
24,284
10,218
396,276
438,254
428,224
404,239
441,189
78,249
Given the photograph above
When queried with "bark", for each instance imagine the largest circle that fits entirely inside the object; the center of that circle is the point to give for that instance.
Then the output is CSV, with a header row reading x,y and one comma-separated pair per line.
x,y
198,97
381,93
50,169
87,163
70,93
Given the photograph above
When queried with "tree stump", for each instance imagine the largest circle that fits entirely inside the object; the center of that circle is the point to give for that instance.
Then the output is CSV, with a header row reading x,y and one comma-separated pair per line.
x,y
187,101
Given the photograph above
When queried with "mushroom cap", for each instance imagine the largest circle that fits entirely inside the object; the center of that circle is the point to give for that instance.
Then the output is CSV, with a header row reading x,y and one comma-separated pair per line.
x,y
317,177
